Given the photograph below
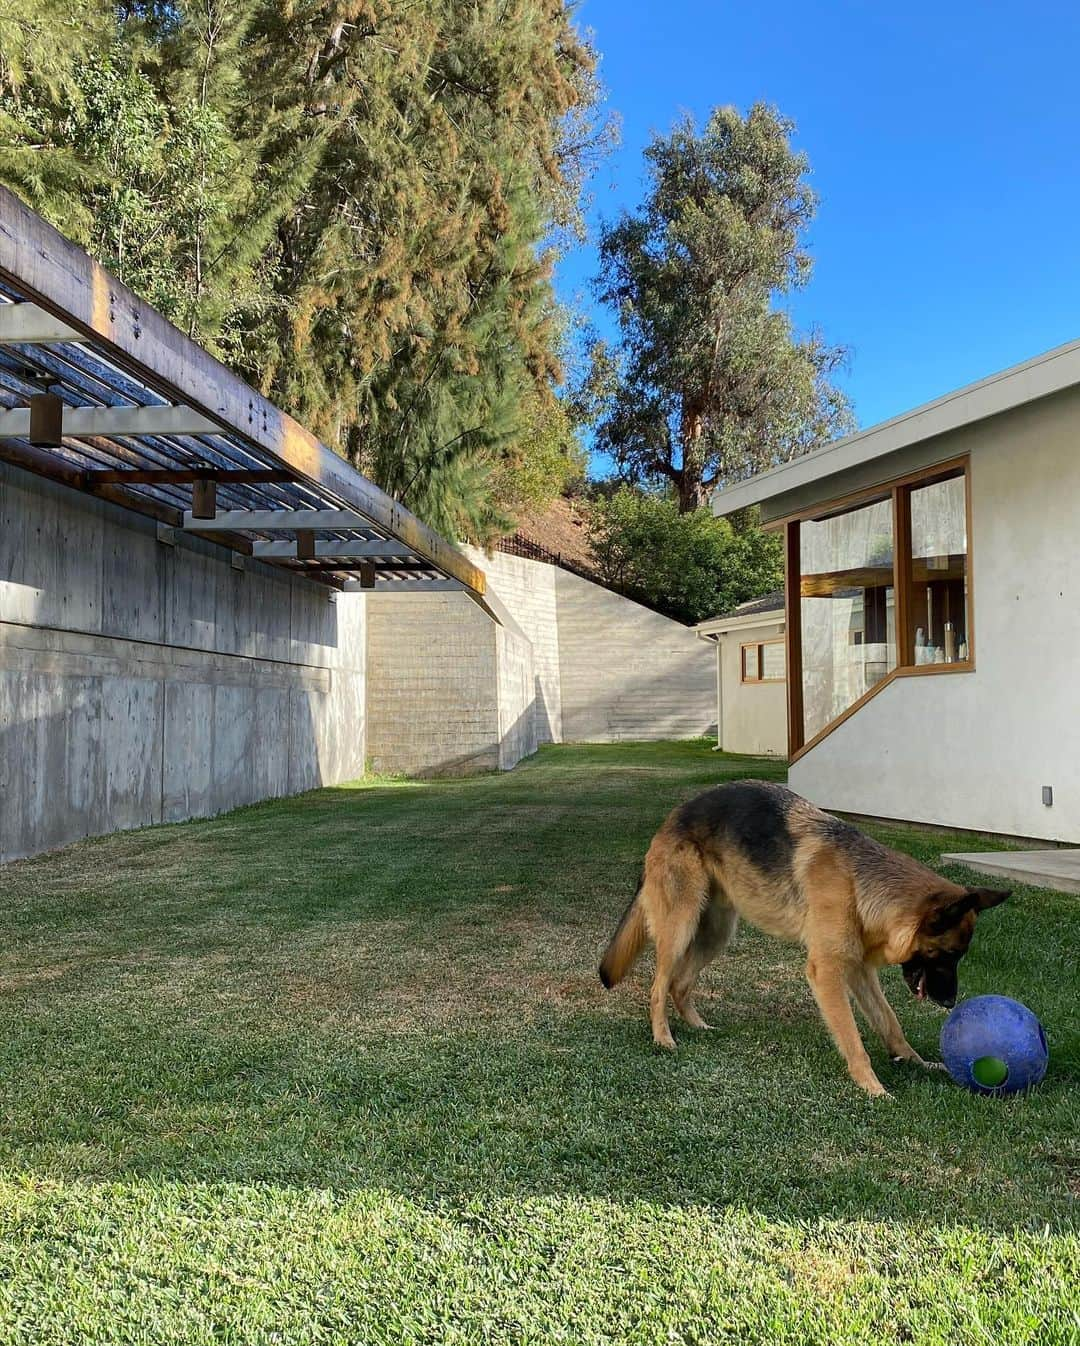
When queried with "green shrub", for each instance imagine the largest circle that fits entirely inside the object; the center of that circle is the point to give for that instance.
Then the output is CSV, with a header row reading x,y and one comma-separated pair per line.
x,y
690,566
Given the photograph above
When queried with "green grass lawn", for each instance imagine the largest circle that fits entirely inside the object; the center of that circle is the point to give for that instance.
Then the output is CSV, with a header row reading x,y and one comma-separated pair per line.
x,y
339,1069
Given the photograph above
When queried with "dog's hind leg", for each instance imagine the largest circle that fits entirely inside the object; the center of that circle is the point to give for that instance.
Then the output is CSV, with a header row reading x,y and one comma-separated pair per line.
x,y
673,922
714,932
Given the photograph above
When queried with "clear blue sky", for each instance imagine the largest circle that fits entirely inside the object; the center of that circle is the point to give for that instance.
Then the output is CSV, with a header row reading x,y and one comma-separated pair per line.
x,y
943,140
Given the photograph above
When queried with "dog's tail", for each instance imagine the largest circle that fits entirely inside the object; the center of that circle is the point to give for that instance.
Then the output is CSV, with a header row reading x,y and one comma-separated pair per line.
x,y
626,943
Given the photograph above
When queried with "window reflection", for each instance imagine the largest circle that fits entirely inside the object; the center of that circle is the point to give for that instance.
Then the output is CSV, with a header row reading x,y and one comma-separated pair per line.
x,y
848,611
938,606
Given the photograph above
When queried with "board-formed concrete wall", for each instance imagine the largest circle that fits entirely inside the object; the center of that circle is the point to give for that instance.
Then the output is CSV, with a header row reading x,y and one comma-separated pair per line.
x,y
527,590
449,691
627,672
144,683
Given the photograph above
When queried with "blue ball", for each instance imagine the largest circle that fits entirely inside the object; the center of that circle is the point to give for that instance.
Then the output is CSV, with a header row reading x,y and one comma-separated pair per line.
x,y
994,1045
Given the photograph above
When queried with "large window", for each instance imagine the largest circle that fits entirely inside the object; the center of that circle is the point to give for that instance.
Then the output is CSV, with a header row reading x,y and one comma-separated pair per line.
x,y
848,613
938,609
882,591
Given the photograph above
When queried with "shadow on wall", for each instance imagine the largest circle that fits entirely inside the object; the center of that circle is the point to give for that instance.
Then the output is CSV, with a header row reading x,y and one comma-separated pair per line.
x,y
647,708
543,723
491,756
516,742
144,683
82,757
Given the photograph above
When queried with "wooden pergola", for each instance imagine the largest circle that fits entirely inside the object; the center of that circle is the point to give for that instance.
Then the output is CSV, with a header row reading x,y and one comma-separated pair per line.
x,y
99,392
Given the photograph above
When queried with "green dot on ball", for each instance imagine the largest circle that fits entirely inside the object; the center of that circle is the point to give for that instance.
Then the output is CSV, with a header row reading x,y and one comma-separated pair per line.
x,y
990,1071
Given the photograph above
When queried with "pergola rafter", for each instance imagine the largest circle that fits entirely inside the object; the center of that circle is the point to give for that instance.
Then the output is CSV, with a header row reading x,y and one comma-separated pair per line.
x,y
99,392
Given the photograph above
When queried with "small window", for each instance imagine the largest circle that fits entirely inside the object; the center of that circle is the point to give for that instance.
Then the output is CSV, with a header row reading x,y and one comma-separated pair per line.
x,y
772,661
763,661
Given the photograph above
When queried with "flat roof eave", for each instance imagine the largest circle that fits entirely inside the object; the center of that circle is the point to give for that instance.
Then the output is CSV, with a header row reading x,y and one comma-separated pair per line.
x,y
816,475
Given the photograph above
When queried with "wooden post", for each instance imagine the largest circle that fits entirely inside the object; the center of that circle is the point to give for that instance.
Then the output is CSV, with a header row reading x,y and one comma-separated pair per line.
x,y
204,499
905,636
793,635
46,421
367,576
305,544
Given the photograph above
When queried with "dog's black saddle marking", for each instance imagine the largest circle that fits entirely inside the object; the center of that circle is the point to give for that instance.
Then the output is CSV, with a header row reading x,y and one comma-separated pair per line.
x,y
749,814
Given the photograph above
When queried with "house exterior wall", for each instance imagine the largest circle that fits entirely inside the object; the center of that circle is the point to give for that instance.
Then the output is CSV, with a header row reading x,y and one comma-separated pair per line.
x,y
973,750
754,715
143,683
627,672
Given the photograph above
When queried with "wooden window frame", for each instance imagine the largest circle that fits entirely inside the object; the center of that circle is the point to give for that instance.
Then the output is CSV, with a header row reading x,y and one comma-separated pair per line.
x,y
760,680
899,491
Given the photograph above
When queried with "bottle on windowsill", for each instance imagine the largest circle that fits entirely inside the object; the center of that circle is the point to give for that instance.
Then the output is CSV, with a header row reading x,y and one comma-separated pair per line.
x,y
950,643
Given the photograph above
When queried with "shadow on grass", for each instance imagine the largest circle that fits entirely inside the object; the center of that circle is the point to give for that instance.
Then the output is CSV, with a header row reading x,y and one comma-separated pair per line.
x,y
211,1002
760,1118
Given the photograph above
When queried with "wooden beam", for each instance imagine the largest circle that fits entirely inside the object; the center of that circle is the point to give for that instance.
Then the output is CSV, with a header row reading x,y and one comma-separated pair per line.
x,y
305,545
284,521
66,282
167,476
106,422
331,549
905,635
405,587
204,499
29,325
45,421
793,636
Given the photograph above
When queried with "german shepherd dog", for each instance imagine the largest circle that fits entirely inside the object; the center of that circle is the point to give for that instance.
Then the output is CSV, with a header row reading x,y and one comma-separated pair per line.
x,y
757,850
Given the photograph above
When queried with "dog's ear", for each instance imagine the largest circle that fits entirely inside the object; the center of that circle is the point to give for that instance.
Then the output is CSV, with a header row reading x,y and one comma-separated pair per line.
x,y
946,910
984,898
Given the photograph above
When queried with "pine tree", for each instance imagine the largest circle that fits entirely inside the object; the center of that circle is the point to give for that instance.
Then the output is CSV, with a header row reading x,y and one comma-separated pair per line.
x,y
417,307
43,44
348,201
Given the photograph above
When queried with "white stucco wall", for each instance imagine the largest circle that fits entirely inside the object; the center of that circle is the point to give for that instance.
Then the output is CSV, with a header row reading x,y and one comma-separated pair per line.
x,y
973,750
753,715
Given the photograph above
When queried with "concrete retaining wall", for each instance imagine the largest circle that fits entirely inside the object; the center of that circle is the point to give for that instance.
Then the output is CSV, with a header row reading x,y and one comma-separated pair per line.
x,y
527,590
432,704
143,683
627,672
451,691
